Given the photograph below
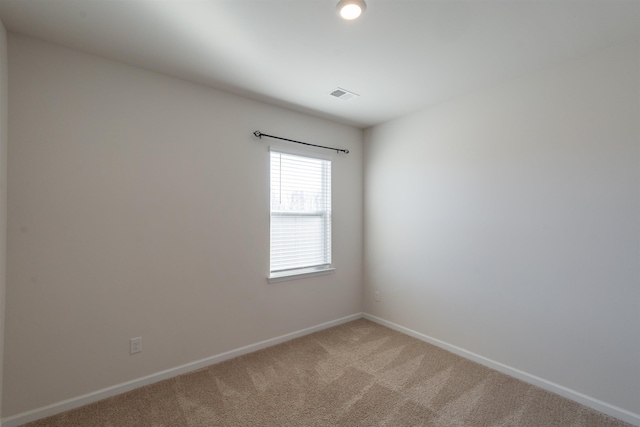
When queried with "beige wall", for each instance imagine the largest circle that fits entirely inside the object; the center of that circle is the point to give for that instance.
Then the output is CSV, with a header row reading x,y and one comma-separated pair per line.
x,y
506,223
139,206
4,98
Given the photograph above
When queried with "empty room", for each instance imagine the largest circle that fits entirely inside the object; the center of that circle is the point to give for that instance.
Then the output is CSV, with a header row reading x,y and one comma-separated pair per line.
x,y
319,213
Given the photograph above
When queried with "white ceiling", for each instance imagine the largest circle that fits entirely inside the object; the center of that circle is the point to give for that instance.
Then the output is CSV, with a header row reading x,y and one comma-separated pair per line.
x,y
400,56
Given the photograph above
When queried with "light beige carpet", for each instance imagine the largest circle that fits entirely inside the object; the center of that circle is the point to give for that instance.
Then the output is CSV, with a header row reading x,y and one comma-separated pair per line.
x,y
356,374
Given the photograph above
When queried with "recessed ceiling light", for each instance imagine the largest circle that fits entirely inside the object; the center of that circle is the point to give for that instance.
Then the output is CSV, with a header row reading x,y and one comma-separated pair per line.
x,y
351,9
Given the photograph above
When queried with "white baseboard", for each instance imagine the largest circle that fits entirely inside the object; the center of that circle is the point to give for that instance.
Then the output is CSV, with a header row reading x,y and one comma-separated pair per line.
x,y
598,405
79,401
76,402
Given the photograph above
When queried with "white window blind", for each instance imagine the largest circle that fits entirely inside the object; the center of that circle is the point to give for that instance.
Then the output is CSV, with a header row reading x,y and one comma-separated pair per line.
x,y
300,212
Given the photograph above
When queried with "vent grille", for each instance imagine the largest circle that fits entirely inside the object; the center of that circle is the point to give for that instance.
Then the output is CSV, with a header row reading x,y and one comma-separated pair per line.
x,y
343,94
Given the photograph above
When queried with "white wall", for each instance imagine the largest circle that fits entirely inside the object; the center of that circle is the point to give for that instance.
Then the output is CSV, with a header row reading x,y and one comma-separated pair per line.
x,y
139,206
507,223
4,98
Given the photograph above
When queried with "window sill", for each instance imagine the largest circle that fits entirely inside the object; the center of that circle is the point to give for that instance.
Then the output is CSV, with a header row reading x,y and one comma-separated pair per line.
x,y
299,274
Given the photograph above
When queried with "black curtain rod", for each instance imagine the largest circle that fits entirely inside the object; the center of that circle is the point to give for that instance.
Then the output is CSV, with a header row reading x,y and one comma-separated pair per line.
x,y
338,150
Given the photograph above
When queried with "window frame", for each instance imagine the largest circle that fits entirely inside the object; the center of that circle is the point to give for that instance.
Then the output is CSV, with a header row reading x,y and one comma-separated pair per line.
x,y
309,271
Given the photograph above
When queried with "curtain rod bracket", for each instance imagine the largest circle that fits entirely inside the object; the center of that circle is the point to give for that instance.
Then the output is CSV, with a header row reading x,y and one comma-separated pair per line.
x,y
259,134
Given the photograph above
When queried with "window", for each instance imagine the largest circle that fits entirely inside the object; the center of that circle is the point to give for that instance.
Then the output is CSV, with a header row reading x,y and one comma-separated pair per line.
x,y
300,215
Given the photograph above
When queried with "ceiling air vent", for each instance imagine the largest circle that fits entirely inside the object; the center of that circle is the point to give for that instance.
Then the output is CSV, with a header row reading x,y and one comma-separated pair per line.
x,y
343,94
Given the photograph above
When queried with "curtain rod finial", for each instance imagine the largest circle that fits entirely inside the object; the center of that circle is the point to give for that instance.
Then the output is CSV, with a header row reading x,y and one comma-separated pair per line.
x,y
258,134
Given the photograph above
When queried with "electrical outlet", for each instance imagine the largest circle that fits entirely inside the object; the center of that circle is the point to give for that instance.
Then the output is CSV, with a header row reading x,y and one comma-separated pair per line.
x,y
376,296
135,345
